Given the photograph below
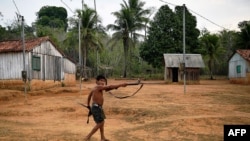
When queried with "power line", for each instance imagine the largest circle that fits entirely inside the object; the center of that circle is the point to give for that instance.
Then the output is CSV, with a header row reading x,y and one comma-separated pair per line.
x,y
168,3
195,13
16,7
206,19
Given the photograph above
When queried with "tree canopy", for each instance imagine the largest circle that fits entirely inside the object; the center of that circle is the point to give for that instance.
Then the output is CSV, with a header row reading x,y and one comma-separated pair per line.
x,y
52,16
244,35
130,19
165,35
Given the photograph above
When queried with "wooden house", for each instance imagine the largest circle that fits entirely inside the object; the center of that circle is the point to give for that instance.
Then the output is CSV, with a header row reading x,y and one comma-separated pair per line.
x,y
174,71
45,65
239,67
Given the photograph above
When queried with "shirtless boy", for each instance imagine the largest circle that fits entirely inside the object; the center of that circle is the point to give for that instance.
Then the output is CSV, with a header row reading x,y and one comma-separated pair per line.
x,y
97,101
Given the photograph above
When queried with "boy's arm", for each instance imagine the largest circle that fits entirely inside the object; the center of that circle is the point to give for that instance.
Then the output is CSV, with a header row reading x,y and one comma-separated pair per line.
x,y
89,98
111,87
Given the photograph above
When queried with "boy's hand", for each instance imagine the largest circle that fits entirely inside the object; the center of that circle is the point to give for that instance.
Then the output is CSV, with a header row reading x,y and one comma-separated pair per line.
x,y
88,107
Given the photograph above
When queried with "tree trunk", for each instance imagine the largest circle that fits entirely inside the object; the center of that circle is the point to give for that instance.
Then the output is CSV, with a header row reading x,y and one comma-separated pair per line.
x,y
85,76
210,69
125,45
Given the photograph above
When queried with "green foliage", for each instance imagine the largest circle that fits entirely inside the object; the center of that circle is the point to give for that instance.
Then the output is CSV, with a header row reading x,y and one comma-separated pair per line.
x,y
54,34
71,44
52,16
228,42
52,21
192,33
89,34
13,32
160,38
123,52
165,35
129,19
243,37
3,33
212,51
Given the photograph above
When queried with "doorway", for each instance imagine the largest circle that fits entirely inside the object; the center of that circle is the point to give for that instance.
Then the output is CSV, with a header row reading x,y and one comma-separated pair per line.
x,y
175,74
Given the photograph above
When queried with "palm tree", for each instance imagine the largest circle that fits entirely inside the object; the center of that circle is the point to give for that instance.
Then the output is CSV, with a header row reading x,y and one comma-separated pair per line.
x,y
131,18
211,49
139,17
89,38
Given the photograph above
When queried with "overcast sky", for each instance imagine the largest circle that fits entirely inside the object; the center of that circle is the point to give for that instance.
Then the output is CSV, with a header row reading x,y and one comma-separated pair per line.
x,y
226,13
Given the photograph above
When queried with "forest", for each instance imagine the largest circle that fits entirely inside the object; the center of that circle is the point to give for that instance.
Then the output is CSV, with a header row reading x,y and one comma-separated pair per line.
x,y
137,43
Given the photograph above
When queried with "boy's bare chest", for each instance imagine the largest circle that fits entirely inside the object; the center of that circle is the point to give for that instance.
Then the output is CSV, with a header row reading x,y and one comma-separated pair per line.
x,y
98,94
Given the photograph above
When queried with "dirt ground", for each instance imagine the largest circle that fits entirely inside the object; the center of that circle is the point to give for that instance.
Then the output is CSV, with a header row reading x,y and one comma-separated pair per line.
x,y
158,112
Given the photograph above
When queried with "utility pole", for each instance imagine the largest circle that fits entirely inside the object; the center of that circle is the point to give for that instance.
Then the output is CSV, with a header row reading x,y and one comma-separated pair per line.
x,y
97,53
24,72
184,49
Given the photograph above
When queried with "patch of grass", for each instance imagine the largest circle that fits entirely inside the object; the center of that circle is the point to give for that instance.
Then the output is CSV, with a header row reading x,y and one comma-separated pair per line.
x,y
11,134
140,115
66,109
61,109
235,99
14,113
243,108
151,128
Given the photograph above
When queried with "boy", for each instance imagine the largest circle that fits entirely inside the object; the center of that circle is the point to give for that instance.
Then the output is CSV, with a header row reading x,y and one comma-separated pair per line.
x,y
97,101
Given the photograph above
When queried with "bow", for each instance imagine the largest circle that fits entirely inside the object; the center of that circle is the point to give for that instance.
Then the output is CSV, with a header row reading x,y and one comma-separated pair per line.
x,y
133,83
88,107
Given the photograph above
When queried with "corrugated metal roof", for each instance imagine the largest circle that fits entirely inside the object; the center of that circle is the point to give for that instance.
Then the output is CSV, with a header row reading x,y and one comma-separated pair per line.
x,y
17,46
192,60
245,53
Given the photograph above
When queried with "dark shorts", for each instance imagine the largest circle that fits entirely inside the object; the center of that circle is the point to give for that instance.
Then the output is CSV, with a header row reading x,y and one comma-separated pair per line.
x,y
98,113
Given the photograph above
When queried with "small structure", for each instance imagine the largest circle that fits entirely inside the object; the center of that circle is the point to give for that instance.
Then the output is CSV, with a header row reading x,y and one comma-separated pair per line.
x,y
239,67
45,64
174,69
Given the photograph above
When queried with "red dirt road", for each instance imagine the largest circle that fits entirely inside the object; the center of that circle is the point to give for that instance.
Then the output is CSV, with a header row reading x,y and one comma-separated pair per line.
x,y
159,112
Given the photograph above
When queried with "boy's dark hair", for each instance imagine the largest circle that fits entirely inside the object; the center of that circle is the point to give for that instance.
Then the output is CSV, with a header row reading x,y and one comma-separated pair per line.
x,y
99,77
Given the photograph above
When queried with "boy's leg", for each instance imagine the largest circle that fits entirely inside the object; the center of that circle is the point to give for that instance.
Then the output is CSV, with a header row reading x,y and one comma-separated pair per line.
x,y
102,132
98,125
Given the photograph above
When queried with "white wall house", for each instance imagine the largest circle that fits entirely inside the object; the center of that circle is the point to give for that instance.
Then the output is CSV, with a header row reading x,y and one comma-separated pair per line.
x,y
239,67
43,61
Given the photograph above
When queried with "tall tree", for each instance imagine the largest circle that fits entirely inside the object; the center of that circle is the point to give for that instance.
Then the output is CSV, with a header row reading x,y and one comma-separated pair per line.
x,y
161,37
52,21
212,50
122,32
243,40
138,18
52,16
165,35
89,29
191,32
228,42
129,19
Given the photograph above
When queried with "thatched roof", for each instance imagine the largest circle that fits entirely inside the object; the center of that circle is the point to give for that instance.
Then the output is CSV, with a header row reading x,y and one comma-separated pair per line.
x,y
192,60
